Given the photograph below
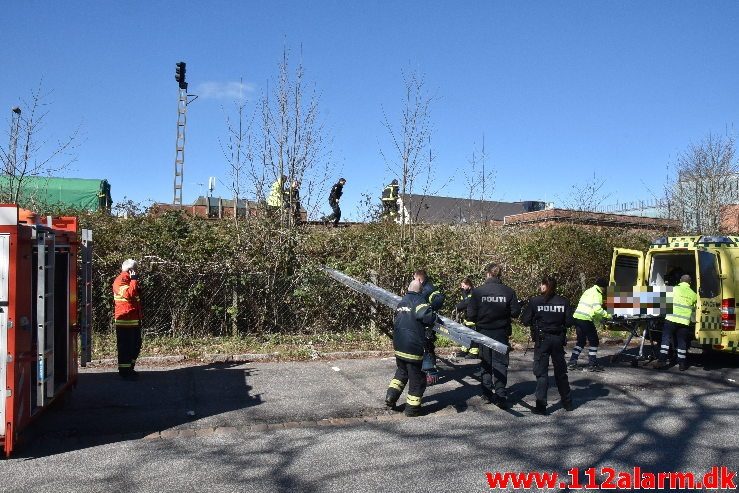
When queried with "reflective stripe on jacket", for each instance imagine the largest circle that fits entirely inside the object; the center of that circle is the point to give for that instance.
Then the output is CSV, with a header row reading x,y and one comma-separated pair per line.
x,y
683,302
390,193
412,317
433,296
126,300
590,306
464,300
276,194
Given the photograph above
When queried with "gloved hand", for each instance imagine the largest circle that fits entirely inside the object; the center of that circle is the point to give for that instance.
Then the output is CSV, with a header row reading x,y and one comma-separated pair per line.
x,y
134,275
534,334
432,377
431,335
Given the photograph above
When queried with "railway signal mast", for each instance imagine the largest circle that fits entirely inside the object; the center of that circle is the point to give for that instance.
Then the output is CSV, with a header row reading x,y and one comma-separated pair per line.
x,y
179,159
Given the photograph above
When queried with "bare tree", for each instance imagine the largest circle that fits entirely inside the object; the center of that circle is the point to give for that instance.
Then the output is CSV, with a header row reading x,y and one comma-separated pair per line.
x,y
238,154
705,180
480,181
295,140
28,153
411,157
368,210
587,196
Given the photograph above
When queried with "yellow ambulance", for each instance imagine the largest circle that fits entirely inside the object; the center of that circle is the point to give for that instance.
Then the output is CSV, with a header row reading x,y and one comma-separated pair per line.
x,y
713,264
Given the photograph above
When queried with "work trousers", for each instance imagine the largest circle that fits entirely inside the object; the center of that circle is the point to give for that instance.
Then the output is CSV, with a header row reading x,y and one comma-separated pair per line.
x,y
494,365
389,208
336,214
128,341
550,345
670,332
585,330
410,374
297,218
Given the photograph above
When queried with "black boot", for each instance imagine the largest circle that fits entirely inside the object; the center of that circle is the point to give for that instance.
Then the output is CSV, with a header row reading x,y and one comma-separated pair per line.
x,y
412,411
501,402
683,365
540,408
567,405
391,398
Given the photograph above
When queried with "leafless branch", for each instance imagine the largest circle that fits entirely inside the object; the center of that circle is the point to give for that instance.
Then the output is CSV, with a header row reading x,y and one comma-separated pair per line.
x,y
705,179
30,155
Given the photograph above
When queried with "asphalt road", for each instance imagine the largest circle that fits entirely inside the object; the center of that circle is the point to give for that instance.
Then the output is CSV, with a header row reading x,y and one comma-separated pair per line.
x,y
322,426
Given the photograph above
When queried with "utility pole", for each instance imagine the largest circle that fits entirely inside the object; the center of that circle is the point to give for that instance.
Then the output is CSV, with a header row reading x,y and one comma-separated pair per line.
x,y
179,158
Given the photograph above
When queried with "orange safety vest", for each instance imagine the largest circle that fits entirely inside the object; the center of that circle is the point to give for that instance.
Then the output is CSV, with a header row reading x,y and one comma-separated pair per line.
x,y
126,299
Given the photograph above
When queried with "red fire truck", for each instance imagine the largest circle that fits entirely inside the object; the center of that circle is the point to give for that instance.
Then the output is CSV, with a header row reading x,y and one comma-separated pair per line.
x,y
41,313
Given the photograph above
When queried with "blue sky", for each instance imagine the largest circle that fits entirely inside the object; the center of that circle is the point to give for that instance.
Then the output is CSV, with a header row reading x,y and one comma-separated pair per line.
x,y
560,90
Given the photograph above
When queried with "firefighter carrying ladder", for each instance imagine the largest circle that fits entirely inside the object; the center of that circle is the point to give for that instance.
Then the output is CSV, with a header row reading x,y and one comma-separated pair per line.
x,y
444,326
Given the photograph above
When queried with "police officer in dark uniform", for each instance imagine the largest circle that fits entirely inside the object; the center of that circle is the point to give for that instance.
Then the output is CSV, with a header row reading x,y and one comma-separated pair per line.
x,y
491,307
549,316
333,200
435,298
412,317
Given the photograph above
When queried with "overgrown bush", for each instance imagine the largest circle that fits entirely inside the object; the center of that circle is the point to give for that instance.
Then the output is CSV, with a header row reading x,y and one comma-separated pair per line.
x,y
204,277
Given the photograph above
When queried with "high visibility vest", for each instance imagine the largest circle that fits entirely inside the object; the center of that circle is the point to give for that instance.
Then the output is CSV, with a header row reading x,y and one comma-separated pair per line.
x,y
590,306
126,300
683,302
276,194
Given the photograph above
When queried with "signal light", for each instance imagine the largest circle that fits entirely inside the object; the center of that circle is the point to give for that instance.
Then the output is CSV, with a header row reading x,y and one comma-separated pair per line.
x,y
179,74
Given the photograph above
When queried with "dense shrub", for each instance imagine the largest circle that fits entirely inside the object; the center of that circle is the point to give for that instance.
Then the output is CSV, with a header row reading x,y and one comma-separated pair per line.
x,y
204,277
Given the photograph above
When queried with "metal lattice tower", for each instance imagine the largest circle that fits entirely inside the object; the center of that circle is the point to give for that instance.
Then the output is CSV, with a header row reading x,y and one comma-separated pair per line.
x,y
179,158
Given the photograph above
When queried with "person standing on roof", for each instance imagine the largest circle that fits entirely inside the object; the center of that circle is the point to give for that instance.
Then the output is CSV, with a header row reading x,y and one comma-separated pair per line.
x,y
276,197
390,200
127,317
588,314
333,200
677,323
412,316
491,307
293,199
549,316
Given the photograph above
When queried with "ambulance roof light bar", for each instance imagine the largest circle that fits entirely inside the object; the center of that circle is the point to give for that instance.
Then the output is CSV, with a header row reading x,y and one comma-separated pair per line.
x,y
662,240
721,240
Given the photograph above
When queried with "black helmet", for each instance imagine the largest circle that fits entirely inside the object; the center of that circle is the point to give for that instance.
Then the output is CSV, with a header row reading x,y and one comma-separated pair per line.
x,y
601,282
394,182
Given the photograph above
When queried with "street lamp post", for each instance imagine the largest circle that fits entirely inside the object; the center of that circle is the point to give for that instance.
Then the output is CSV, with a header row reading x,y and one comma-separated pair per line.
x,y
15,128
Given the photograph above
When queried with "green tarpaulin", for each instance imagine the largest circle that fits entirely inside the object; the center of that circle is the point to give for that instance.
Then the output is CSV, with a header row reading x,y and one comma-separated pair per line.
x,y
76,193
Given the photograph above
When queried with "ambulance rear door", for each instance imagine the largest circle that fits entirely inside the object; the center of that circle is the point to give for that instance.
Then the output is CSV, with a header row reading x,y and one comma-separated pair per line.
x,y
709,312
627,268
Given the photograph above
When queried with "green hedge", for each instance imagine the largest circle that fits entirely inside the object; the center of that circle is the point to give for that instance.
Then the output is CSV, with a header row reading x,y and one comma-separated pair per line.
x,y
206,277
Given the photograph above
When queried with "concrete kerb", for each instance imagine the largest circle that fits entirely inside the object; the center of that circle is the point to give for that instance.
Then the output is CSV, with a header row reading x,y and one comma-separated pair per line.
x,y
243,358
276,356
237,358
143,361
